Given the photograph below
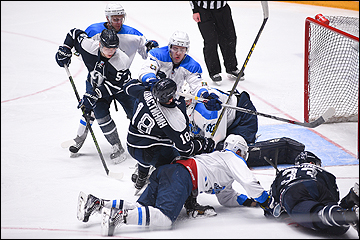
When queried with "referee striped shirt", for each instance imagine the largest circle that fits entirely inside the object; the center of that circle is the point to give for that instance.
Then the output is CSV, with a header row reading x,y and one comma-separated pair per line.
x,y
208,5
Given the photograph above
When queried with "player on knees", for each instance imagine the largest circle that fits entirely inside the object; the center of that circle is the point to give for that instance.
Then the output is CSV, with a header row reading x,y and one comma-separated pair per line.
x,y
310,196
160,204
131,41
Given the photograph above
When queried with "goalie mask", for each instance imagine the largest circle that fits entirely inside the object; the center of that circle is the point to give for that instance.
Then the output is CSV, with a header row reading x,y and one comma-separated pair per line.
x,y
236,142
307,157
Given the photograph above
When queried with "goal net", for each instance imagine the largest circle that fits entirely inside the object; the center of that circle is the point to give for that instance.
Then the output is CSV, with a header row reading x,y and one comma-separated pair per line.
x,y
331,68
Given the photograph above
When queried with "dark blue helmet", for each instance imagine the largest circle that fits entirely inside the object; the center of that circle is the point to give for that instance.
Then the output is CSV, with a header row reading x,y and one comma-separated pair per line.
x,y
164,89
307,157
109,38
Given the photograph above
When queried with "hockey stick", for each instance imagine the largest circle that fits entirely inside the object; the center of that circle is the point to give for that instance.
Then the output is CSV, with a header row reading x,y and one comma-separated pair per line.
x,y
88,125
272,164
323,118
266,16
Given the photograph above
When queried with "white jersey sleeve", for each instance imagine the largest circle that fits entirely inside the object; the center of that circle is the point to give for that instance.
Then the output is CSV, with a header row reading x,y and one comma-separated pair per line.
x,y
189,70
218,170
205,120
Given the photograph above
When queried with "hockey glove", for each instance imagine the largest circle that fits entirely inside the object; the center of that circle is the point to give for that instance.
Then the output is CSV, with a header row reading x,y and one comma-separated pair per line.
x,y
150,44
271,208
207,144
160,75
213,103
194,209
87,103
63,56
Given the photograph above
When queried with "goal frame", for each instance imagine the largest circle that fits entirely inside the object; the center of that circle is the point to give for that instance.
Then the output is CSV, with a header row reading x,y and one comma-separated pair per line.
x,y
306,59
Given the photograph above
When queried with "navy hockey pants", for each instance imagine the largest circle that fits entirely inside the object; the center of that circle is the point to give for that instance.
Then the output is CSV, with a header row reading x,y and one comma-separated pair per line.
x,y
155,156
170,185
303,200
102,106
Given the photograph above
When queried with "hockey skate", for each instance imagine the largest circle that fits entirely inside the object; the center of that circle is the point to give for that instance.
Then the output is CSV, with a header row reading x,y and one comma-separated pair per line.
x,y
140,184
118,155
352,198
87,205
75,147
112,218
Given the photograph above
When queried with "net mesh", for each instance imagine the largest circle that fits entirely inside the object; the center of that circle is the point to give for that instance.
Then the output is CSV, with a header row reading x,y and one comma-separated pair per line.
x,y
333,69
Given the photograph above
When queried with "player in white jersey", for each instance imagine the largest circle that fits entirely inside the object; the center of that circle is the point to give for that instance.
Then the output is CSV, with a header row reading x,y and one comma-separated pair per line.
x,y
203,121
160,204
131,41
173,62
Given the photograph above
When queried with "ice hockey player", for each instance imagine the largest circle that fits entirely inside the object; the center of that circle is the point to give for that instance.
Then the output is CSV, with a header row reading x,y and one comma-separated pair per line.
x,y
310,196
203,120
173,62
108,68
131,41
159,129
160,204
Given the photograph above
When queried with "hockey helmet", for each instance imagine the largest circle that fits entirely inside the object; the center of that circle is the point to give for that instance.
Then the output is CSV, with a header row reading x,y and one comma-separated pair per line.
x,y
307,157
109,38
112,9
236,142
164,89
180,39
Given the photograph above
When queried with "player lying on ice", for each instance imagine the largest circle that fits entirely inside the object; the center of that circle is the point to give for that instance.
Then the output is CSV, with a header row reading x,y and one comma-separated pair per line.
x,y
310,196
170,185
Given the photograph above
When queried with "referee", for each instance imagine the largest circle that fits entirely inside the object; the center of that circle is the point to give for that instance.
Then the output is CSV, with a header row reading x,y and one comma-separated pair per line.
x,y
217,28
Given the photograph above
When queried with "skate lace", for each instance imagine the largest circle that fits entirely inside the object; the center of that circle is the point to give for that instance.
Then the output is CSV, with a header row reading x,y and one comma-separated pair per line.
x,y
117,217
94,204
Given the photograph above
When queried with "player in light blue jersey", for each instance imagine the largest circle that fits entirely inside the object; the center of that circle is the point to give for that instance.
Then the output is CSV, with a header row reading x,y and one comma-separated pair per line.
x,y
131,41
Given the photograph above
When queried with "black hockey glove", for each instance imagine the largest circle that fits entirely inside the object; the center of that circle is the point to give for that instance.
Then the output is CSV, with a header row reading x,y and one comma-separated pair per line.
x,y
87,103
160,75
213,103
150,44
207,144
194,209
63,56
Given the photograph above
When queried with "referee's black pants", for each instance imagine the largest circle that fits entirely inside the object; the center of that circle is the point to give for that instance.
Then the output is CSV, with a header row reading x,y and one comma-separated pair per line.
x,y
217,27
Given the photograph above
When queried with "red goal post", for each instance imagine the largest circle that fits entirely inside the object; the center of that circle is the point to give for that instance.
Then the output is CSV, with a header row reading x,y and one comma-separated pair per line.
x,y
331,70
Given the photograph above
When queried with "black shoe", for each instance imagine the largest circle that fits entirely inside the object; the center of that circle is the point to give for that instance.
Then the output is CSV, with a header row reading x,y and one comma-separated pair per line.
x,y
236,73
216,78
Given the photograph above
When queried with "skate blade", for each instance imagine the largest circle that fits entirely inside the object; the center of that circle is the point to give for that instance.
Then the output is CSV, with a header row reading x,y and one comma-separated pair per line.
x,y
120,159
82,198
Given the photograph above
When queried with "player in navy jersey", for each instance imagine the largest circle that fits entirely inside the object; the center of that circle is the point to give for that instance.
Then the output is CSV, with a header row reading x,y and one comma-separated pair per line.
x,y
108,68
131,41
310,196
159,129
170,184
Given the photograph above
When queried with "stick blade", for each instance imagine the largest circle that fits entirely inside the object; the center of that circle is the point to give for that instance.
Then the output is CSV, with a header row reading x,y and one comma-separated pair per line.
x,y
328,114
117,176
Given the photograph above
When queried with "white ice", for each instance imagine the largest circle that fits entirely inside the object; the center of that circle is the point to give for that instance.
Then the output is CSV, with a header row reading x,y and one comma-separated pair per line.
x,y
40,183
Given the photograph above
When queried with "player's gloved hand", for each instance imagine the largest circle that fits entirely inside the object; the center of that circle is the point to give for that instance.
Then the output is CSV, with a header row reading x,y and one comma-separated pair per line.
x,y
194,209
209,145
150,44
87,103
63,56
271,207
160,75
242,199
213,103
149,83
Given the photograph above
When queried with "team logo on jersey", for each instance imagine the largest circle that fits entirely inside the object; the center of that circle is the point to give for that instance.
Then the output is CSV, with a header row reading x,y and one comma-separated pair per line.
x,y
153,67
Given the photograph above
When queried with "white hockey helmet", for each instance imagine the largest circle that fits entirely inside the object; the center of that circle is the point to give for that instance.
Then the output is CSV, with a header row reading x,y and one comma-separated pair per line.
x,y
180,39
112,9
235,142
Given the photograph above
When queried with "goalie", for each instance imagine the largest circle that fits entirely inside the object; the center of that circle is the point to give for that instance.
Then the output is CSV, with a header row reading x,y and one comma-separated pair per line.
x,y
170,185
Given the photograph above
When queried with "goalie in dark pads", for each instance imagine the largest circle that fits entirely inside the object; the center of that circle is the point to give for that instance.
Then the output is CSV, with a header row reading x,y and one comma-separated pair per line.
x,y
310,196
